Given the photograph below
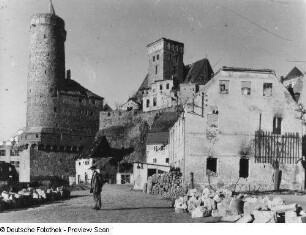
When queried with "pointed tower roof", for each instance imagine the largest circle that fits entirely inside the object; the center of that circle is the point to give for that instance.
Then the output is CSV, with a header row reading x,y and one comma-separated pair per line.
x,y
51,8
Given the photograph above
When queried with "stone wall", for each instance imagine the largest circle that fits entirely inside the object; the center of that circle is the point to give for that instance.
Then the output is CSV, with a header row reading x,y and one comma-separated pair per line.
x,y
37,165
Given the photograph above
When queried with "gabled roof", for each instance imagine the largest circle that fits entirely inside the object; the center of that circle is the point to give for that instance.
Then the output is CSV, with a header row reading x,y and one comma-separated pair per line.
x,y
294,73
298,86
70,85
247,70
199,72
107,108
159,132
145,84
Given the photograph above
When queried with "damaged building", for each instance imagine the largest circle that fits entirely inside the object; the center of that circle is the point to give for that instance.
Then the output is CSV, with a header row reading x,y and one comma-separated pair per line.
x,y
236,129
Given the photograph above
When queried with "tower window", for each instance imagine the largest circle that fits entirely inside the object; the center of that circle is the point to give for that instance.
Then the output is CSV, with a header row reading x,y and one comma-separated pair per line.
x,y
154,101
153,58
156,69
148,103
277,125
157,57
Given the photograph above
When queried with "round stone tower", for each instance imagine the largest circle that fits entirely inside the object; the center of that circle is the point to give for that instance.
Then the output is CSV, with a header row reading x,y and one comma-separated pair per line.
x,y
46,69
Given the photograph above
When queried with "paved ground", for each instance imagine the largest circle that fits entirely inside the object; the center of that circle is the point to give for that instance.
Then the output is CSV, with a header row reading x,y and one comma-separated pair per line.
x,y
120,205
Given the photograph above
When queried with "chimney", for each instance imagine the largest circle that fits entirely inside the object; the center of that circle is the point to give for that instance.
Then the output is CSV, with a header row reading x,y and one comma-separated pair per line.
x,y
68,74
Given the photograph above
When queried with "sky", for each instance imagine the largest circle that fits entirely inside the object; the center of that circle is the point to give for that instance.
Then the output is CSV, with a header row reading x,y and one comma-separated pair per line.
x,y
106,42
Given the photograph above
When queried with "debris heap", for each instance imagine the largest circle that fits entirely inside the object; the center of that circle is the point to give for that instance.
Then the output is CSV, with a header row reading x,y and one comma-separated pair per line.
x,y
238,208
30,196
168,185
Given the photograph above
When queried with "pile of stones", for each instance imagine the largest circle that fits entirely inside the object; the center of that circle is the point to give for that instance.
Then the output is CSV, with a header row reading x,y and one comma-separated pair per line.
x,y
240,208
168,185
30,197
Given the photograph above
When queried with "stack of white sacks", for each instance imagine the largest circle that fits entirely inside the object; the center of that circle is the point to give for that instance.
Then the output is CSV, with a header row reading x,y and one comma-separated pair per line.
x,y
240,208
30,196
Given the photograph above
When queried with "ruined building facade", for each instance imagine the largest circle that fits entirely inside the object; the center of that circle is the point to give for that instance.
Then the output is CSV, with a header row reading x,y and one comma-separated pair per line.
x,y
62,116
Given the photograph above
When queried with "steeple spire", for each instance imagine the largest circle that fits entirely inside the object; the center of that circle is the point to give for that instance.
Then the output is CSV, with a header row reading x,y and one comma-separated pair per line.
x,y
51,8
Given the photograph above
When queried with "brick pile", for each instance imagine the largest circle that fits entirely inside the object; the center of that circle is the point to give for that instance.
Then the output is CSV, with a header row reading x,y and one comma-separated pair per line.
x,y
238,208
30,197
168,185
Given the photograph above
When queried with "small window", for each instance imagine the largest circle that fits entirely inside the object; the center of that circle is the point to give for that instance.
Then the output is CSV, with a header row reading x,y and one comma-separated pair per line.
x,y
36,136
44,35
168,46
244,168
55,110
246,88
79,163
167,86
156,69
80,100
267,89
153,58
108,114
167,160
154,160
157,57
154,101
277,125
211,164
160,87
224,86
148,103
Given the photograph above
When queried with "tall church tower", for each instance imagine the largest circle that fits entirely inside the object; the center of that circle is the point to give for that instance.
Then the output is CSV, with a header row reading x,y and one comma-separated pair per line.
x,y
46,69
165,61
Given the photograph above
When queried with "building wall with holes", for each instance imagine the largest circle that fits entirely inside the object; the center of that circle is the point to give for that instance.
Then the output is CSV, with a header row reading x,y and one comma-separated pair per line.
x,y
159,96
224,129
158,154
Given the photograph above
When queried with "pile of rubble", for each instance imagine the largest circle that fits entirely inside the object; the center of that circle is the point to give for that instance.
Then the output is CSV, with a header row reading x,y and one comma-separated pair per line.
x,y
168,185
29,197
240,208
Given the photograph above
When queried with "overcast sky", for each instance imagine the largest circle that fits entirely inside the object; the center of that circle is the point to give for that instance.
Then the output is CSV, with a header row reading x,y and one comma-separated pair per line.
x,y
106,41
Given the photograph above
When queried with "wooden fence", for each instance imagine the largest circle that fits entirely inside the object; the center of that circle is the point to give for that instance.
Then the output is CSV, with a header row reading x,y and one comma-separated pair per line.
x,y
270,147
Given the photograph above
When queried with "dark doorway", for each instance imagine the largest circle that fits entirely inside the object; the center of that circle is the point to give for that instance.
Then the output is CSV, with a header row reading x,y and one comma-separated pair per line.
x,y
244,168
151,172
211,164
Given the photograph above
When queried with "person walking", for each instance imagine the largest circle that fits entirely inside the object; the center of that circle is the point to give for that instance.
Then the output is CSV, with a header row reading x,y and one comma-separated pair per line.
x,y
96,187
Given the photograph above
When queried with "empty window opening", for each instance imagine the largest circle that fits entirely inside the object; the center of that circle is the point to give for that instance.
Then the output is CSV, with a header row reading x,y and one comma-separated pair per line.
x,y
55,110
154,101
160,87
246,88
148,103
277,125
224,86
167,160
167,86
244,168
36,135
267,89
153,58
156,70
211,164
157,57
